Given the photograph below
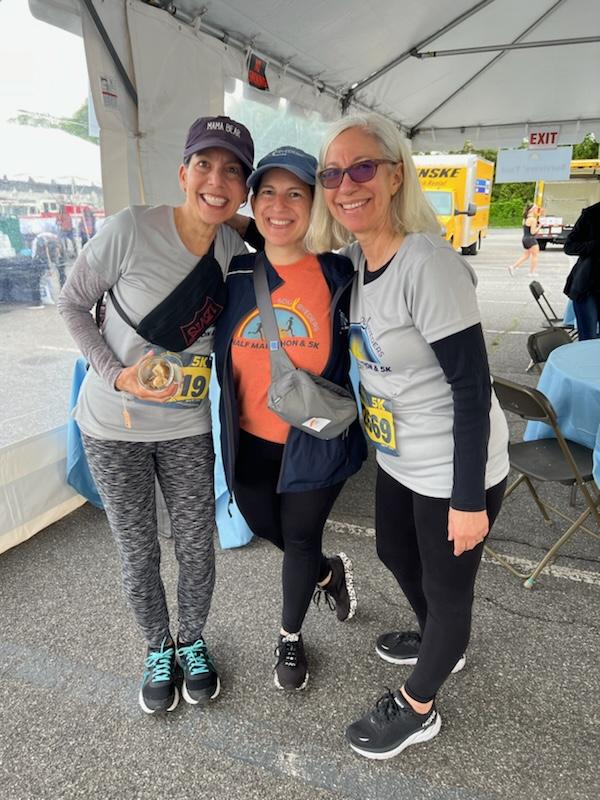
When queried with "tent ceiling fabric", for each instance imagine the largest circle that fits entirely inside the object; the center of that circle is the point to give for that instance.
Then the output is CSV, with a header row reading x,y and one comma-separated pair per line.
x,y
342,44
492,98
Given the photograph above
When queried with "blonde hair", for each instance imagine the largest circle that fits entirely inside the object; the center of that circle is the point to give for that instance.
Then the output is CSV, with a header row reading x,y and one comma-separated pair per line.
x,y
409,210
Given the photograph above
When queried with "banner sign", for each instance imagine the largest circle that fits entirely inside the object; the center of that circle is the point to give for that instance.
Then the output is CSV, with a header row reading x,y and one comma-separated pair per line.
x,y
522,166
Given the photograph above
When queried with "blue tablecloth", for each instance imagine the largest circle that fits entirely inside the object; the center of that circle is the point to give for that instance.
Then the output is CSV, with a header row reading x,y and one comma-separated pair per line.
x,y
569,315
232,527
571,381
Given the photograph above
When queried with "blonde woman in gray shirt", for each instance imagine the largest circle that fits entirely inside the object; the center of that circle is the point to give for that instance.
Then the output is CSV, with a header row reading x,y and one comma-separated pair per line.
x,y
427,406
163,270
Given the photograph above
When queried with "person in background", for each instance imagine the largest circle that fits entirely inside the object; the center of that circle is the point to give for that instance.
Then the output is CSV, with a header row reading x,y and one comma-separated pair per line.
x,y
583,283
66,232
163,269
47,249
284,480
428,408
87,225
531,225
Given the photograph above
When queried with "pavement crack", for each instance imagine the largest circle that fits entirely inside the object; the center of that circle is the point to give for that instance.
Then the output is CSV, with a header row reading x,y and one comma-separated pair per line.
x,y
538,617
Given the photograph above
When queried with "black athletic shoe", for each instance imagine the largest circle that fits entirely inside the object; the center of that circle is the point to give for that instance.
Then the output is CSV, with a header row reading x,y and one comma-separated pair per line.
x,y
158,691
291,670
200,678
391,726
402,647
339,593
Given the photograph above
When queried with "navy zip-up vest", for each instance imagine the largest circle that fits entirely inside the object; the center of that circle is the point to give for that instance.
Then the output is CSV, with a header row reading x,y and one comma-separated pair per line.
x,y
308,463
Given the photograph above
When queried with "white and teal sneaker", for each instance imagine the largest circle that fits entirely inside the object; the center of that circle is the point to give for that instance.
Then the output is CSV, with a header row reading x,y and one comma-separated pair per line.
x,y
158,691
200,678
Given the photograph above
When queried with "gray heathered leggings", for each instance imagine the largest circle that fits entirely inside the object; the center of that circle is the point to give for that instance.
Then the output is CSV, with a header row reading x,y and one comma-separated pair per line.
x,y
124,473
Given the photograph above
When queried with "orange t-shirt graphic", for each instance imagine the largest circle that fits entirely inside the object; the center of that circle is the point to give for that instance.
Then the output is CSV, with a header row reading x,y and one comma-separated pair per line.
x,y
302,309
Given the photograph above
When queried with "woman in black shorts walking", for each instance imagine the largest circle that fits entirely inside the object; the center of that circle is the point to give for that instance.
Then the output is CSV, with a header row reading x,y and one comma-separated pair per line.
x,y
531,225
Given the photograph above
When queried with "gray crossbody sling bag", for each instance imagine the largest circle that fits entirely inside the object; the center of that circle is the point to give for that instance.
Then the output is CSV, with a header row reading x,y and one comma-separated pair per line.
x,y
302,399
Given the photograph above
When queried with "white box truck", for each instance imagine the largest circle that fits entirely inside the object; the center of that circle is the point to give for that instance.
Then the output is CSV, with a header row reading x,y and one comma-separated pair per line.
x,y
563,201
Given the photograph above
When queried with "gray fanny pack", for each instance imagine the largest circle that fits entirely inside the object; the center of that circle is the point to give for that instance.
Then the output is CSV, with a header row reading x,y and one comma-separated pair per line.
x,y
304,400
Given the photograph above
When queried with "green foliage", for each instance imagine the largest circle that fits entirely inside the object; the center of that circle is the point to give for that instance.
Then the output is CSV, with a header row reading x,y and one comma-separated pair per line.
x,y
523,192
76,125
588,148
507,213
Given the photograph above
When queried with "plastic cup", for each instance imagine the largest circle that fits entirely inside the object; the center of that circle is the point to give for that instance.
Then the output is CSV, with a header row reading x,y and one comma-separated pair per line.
x,y
156,374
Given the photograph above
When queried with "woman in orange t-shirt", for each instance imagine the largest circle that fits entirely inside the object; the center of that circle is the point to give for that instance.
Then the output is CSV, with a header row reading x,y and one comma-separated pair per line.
x,y
285,481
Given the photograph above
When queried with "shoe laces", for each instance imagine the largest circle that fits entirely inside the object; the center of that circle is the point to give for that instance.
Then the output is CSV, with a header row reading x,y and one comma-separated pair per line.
x,y
409,637
287,651
386,708
322,592
196,657
160,663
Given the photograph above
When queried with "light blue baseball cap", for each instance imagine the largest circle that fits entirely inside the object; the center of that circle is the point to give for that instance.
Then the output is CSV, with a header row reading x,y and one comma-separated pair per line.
x,y
294,160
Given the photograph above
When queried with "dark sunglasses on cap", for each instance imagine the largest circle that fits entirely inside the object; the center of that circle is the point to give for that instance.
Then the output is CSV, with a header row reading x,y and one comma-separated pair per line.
x,y
362,172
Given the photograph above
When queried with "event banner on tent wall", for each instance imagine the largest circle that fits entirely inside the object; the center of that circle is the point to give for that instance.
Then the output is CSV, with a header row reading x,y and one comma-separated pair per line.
x,y
522,166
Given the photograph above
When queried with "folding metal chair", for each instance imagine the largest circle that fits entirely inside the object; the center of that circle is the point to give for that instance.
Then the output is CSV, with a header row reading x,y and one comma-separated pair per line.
x,y
542,343
546,461
550,315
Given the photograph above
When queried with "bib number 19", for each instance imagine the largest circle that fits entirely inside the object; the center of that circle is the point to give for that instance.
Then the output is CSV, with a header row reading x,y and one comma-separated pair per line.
x,y
195,379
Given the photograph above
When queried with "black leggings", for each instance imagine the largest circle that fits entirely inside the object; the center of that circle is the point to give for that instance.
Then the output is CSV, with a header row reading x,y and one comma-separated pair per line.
x,y
293,521
438,585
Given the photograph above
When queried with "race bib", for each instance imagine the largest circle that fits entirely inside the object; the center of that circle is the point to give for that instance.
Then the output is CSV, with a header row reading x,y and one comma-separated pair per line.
x,y
378,421
192,374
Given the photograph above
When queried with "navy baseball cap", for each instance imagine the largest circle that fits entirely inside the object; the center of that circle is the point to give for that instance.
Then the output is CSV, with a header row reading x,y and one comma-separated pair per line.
x,y
296,161
221,132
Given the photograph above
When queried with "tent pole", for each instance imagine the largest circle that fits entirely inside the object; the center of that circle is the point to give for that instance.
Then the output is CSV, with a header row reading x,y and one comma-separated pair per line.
x,y
494,60
517,46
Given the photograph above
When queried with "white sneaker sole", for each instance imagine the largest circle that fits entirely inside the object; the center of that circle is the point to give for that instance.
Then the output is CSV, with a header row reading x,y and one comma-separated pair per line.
x,y
349,578
192,702
412,661
284,689
422,735
147,710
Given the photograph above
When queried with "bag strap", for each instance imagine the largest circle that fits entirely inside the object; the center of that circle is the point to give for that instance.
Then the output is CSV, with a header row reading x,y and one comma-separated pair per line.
x,y
197,268
280,361
119,309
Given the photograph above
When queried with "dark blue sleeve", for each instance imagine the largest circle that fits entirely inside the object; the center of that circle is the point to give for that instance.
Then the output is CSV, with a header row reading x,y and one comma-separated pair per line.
x,y
584,239
253,236
463,359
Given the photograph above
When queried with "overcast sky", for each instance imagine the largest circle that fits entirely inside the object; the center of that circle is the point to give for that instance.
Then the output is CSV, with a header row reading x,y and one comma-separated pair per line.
x,y
43,69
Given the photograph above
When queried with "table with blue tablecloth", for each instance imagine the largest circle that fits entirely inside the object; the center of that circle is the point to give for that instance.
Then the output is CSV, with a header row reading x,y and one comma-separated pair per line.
x,y
571,381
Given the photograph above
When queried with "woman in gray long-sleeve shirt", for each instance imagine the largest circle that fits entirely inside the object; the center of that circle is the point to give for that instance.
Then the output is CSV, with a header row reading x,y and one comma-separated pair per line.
x,y
163,268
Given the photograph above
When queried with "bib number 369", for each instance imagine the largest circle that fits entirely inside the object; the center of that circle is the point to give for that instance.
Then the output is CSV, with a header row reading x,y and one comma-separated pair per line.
x,y
378,421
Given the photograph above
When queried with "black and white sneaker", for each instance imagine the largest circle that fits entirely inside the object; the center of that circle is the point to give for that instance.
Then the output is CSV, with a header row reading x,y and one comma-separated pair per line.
x,y
391,726
291,670
402,647
200,678
339,592
158,691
